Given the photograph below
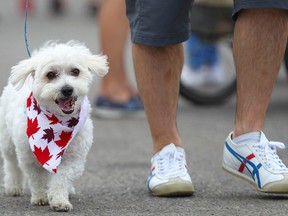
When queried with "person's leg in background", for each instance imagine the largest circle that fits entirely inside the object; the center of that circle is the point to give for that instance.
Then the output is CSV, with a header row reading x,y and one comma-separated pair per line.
x,y
203,64
158,60
116,93
260,39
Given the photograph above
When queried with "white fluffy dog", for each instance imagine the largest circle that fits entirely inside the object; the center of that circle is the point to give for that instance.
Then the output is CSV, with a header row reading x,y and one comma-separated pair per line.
x,y
45,112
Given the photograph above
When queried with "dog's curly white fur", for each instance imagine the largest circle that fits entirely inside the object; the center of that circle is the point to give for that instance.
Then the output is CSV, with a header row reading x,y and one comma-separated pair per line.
x,y
50,69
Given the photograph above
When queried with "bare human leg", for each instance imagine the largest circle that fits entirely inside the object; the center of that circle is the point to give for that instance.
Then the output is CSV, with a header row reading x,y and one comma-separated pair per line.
x,y
157,73
260,39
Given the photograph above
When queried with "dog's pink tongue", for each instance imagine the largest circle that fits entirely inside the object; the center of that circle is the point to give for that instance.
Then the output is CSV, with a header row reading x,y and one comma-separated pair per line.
x,y
65,105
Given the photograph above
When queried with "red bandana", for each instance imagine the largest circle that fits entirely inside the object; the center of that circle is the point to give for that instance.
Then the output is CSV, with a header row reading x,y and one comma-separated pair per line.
x,y
49,135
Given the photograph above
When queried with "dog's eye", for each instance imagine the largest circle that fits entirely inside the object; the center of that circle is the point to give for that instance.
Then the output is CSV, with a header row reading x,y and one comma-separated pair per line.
x,y
75,72
51,75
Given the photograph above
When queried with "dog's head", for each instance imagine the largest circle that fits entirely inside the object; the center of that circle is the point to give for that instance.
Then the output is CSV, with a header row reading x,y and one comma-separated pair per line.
x,y
61,74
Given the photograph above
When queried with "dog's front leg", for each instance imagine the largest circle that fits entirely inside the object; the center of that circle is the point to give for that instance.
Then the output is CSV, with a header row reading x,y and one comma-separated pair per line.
x,y
58,192
38,179
13,177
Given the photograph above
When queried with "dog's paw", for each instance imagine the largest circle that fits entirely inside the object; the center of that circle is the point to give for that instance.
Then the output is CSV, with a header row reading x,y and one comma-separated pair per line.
x,y
14,191
40,198
39,201
60,205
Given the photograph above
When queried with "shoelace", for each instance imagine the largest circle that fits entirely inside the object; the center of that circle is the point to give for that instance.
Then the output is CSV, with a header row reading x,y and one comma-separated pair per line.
x,y
267,151
171,164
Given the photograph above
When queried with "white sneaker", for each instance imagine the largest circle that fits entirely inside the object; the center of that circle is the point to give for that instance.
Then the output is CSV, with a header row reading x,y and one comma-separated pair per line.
x,y
257,163
169,176
205,75
215,75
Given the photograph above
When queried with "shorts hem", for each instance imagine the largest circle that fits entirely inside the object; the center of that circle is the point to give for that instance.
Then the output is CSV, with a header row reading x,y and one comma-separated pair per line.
x,y
257,4
158,41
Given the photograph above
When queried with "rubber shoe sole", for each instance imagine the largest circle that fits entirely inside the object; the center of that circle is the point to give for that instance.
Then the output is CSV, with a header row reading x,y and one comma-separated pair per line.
x,y
174,188
274,187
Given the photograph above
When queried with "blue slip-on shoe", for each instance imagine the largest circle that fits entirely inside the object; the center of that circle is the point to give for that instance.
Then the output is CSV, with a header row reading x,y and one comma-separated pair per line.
x,y
109,109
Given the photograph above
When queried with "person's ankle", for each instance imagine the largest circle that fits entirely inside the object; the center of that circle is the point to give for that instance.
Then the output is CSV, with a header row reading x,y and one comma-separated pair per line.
x,y
252,137
160,146
240,131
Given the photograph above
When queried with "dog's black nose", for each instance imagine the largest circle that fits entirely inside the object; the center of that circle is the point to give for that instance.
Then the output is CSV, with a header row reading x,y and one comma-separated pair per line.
x,y
67,91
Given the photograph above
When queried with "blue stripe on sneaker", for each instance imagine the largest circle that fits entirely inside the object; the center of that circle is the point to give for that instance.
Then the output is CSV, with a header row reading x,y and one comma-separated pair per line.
x,y
242,159
258,167
149,179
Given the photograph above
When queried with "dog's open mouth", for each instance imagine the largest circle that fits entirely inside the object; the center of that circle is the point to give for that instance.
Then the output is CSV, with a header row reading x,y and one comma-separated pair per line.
x,y
66,104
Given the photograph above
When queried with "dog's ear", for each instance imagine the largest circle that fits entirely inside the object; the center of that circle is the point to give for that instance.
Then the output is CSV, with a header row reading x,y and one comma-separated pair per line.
x,y
20,72
98,64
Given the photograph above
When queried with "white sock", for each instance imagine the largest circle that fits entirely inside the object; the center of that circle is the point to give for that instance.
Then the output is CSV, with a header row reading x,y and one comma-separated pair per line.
x,y
252,137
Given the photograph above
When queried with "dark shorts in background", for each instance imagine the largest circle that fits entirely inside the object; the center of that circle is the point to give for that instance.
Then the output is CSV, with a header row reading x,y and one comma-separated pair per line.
x,y
166,22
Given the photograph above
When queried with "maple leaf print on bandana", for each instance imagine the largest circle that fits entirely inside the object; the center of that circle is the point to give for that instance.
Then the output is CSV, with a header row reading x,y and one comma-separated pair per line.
x,y
53,119
49,135
64,138
32,127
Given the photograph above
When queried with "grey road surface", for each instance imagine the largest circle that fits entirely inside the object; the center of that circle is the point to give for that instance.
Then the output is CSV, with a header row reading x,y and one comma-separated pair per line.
x,y
114,182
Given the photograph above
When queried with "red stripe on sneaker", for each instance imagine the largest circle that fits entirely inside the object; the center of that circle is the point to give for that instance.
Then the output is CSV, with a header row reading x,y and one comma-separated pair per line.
x,y
153,168
242,166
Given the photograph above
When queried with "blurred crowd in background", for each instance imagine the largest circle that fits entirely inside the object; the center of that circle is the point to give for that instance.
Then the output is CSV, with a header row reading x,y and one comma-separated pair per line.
x,y
58,7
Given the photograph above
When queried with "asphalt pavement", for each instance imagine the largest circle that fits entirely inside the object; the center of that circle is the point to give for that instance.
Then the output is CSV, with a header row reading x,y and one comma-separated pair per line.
x,y
114,182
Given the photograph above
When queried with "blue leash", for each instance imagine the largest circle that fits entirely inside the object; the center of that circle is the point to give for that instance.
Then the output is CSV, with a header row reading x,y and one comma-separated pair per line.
x,y
25,28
